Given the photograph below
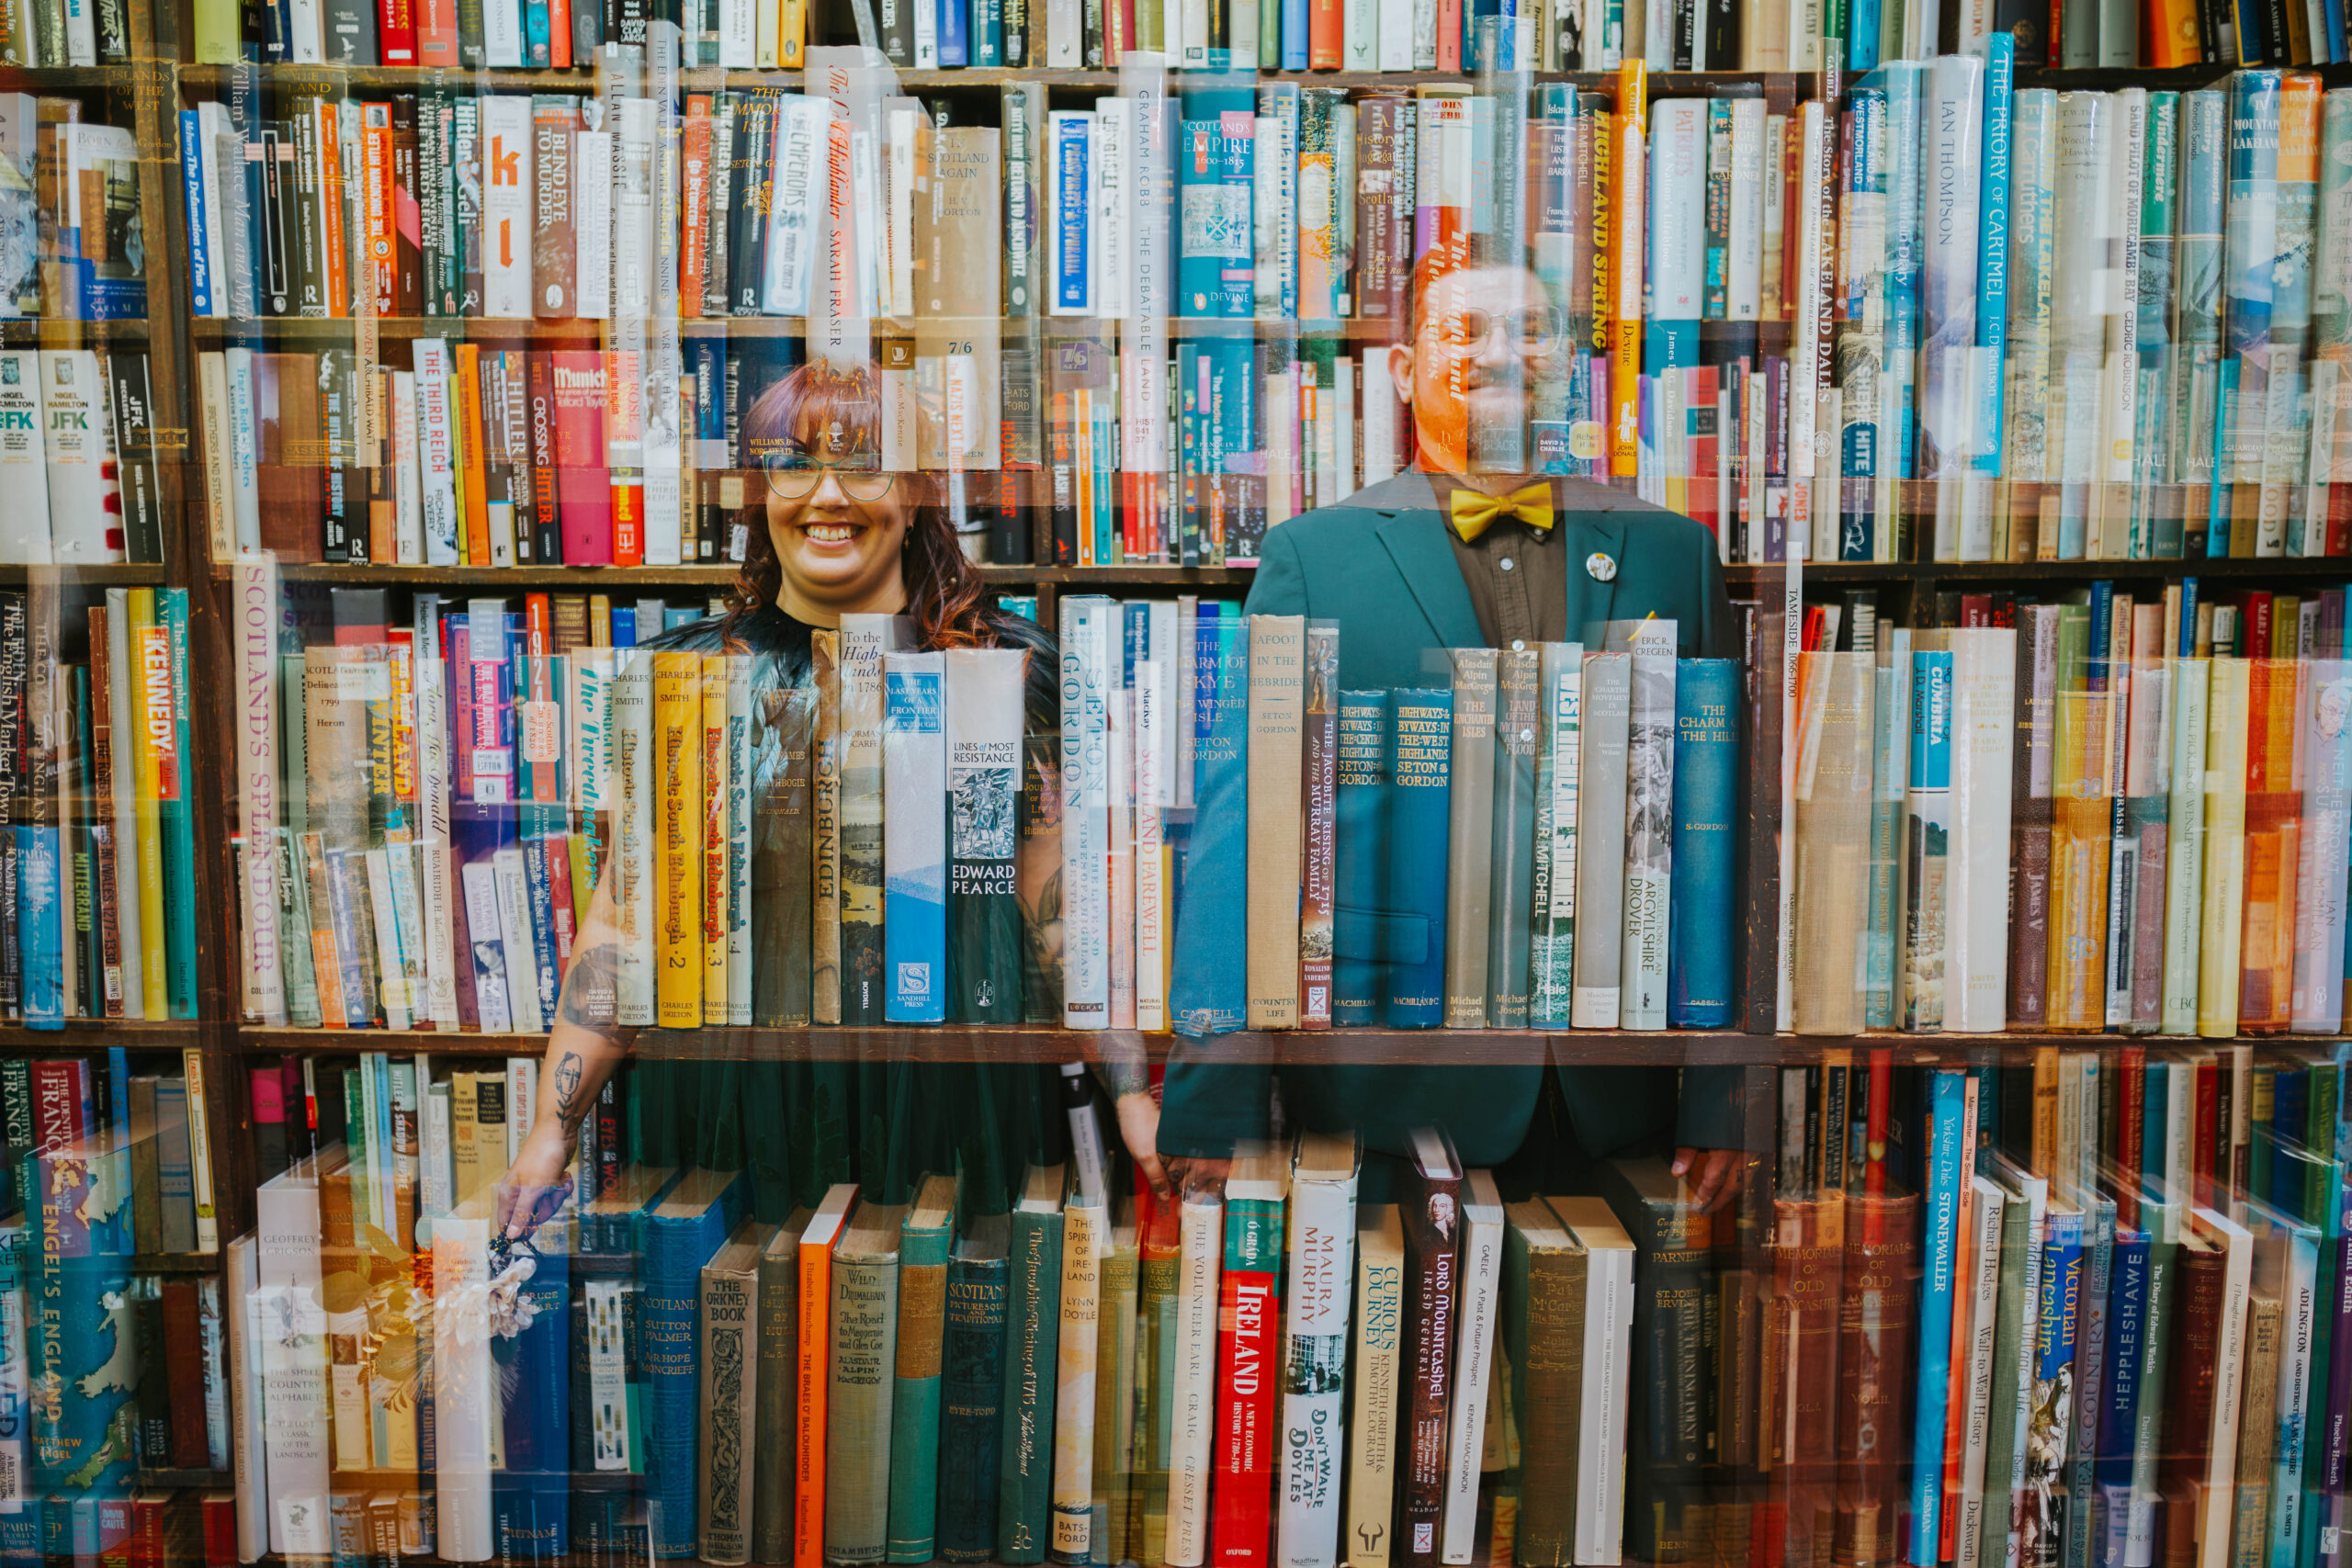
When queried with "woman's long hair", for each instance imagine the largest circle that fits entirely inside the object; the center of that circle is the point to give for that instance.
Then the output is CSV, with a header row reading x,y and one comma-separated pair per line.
x,y
821,409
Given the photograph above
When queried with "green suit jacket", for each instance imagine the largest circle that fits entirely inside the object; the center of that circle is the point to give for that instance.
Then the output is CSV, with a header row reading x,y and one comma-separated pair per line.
x,y
1382,566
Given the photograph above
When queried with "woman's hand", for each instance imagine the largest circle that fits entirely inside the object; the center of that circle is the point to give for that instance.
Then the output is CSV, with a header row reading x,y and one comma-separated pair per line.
x,y
1179,1175
535,1186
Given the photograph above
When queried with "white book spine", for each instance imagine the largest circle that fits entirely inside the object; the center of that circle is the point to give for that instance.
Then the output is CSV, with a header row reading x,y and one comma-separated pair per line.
x,y
1113,234
506,204
502,37
1977,875
1396,34
1380,414
1322,1275
593,218
408,481
631,265
1360,38
1152,701
796,233
902,126
292,1332
465,1409
436,451
257,632
2220,1499
2300,1324
1984,1285
634,773
1085,654
1649,837
392,968
1745,279
125,806
84,514
248,1451
1119,854
24,467
515,928
82,32
302,26
1608,1346
1678,231
1194,1401
1479,1285
432,1193
478,882
2322,852
522,1101
212,124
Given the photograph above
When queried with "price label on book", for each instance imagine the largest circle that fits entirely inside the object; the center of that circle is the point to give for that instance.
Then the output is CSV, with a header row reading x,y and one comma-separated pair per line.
x,y
370,681
541,744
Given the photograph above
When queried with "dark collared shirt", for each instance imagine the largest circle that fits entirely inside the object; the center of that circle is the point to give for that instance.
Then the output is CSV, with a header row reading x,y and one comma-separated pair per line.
x,y
1517,576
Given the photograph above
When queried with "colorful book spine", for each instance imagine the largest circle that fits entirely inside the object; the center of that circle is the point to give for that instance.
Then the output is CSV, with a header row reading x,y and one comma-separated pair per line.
x,y
1249,1339
1418,837
914,848
1939,1286
1700,981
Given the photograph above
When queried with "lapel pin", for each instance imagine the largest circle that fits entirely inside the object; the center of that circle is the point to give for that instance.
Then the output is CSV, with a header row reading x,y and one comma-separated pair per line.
x,y
1601,567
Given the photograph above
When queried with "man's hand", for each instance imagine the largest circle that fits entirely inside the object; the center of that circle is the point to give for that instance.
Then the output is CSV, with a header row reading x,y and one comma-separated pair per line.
x,y
1709,1171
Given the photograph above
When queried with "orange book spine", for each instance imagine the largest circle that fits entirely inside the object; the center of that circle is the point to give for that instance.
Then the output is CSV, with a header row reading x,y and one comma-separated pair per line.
x,y
560,33
2172,35
474,496
815,1334
1324,41
539,613
376,160
1627,229
337,244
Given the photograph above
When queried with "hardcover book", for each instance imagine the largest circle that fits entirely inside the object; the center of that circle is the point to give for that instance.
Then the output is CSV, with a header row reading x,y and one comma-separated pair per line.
x,y
1429,1211
1322,1269
859,1387
914,848
730,1362
1510,900
1032,1325
865,638
1249,1339
983,694
1600,839
924,1240
971,1391
1419,832
1276,718
1470,837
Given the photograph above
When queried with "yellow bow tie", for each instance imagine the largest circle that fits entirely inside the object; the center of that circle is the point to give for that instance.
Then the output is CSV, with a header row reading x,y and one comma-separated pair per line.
x,y
1473,513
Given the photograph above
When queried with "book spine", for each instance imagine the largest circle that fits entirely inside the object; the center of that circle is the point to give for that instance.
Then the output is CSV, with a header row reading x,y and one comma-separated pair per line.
x,y
1699,984
1649,828
726,1348
1319,761
1077,1367
777,1390
1033,1324
1600,866
1321,1280
1938,1287
971,1409
1418,855
1249,1324
1431,1260
1510,901
1277,648
1359,967
1554,890
915,850
861,820
1192,1387
1086,686
915,1412
858,1408
1470,837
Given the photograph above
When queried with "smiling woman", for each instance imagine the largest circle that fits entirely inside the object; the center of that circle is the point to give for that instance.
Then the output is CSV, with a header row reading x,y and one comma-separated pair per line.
x,y
833,533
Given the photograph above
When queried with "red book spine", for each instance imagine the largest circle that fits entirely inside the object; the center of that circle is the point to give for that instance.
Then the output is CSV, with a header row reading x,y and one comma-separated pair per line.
x,y
696,165
436,32
583,487
2188,1404
2203,1131
2131,1132
1323,35
2339,518
560,33
547,544
61,1091
1248,1337
396,33
220,1529
1448,35
184,1366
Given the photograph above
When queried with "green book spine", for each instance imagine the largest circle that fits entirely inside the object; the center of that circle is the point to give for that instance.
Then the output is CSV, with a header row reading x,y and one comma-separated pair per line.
x,y
914,1415
776,1393
179,820
857,1410
1155,1396
2163,1222
2010,1347
1115,1497
1032,1325
1543,1308
355,1141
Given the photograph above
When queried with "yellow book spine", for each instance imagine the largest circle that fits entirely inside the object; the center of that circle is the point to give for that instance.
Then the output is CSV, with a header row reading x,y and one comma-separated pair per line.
x,y
2079,852
2217,972
151,704
583,874
1627,234
791,32
716,907
677,885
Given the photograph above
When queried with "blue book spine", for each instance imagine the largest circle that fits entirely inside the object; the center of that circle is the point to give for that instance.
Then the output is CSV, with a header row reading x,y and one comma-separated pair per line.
x,y
1295,33
1360,816
1993,251
1070,147
1420,761
193,162
82,1434
531,1497
2090,1370
987,32
2290,1094
174,1178
955,32
1207,996
1939,1253
1862,28
1215,263
2119,1410
2151,1129
2247,280
914,884
674,1248
623,626
1706,795
40,928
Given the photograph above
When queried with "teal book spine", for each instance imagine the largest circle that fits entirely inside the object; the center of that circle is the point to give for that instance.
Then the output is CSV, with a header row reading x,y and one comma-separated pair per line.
x,y
971,1408
1422,762
1207,996
177,820
1360,814
915,1394
1033,1333
673,1250
1706,794
1215,270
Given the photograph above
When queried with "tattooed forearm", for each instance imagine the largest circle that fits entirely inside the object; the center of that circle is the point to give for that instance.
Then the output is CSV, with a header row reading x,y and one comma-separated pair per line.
x,y
591,988
569,1105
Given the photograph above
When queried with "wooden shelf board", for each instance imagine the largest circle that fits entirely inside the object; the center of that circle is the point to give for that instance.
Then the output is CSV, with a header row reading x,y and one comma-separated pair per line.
x,y
2202,568
954,1043
565,577
85,1034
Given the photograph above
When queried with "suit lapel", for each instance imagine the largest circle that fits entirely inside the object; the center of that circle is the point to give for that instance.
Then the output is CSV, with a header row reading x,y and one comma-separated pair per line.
x,y
1589,599
1414,535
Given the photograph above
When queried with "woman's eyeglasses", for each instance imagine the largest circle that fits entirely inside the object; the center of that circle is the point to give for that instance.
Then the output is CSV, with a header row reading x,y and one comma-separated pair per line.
x,y
794,476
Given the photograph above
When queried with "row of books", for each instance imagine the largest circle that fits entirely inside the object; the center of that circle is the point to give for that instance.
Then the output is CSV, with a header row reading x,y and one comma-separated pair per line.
x,y
78,456
2094,818
1090,1380
2183,403
98,873
69,200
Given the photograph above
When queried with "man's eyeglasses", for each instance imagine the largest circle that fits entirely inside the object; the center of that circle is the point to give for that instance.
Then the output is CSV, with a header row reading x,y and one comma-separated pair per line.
x,y
1535,331
794,476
